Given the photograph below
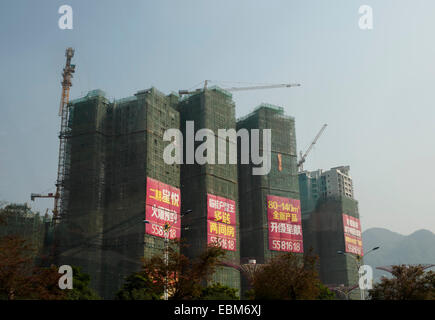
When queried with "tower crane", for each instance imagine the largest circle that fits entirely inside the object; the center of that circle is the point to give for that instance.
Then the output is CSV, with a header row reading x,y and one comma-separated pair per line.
x,y
271,86
304,156
67,74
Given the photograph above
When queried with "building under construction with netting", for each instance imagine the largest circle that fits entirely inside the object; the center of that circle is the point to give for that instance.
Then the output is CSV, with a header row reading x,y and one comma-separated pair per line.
x,y
332,227
114,148
269,204
120,195
210,190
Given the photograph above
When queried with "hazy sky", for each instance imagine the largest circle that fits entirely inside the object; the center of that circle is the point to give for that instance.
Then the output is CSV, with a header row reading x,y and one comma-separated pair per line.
x,y
374,89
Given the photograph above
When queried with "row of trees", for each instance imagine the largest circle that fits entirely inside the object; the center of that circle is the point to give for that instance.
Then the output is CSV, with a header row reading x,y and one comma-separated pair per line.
x,y
186,278
285,277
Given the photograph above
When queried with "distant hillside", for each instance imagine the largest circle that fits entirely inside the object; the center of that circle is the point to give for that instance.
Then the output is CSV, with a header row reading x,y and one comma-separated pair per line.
x,y
418,247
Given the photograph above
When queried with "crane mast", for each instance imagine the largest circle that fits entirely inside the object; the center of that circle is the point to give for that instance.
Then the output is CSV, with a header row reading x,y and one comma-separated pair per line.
x,y
67,75
304,156
64,132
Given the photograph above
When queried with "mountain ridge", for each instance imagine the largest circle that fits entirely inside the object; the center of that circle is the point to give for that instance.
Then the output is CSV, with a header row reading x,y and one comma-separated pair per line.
x,y
395,248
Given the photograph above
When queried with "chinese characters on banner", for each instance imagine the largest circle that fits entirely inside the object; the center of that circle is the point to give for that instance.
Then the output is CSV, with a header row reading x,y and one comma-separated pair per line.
x,y
284,223
352,235
162,205
221,222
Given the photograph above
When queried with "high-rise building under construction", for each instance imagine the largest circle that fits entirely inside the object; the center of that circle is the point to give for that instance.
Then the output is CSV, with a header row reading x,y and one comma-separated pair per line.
x,y
119,191
332,226
210,190
269,204
115,148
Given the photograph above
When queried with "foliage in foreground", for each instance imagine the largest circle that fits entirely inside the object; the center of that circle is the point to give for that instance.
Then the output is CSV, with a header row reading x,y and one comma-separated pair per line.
x,y
20,279
289,276
186,277
217,291
81,287
408,283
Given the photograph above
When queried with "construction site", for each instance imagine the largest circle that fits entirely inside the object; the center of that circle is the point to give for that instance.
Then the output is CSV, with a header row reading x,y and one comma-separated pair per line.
x,y
282,181
117,201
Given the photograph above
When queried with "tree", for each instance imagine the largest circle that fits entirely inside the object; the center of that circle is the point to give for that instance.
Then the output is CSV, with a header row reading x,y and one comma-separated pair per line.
x,y
16,258
81,289
139,286
325,293
20,220
287,276
218,291
408,283
44,284
2,214
185,277
19,279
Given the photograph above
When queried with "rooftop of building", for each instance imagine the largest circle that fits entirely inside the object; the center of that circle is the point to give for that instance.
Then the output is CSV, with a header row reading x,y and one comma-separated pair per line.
x,y
100,93
316,173
278,110
226,93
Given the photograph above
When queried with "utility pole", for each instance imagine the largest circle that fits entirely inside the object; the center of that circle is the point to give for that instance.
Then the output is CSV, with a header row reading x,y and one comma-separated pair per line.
x,y
166,229
358,260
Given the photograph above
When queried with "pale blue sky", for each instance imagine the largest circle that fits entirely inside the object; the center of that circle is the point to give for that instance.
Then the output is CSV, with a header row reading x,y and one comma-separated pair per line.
x,y
373,88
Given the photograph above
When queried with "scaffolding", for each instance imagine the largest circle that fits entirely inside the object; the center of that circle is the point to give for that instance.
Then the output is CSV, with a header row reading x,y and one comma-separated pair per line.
x,y
281,181
61,195
114,146
324,233
214,109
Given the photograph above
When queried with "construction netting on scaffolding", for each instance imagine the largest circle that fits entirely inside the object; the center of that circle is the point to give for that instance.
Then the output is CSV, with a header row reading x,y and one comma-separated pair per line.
x,y
114,147
161,116
324,232
211,109
79,236
281,180
137,154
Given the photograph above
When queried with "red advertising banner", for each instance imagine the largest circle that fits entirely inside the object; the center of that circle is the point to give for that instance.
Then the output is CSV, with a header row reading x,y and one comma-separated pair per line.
x,y
285,224
162,206
221,222
352,235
